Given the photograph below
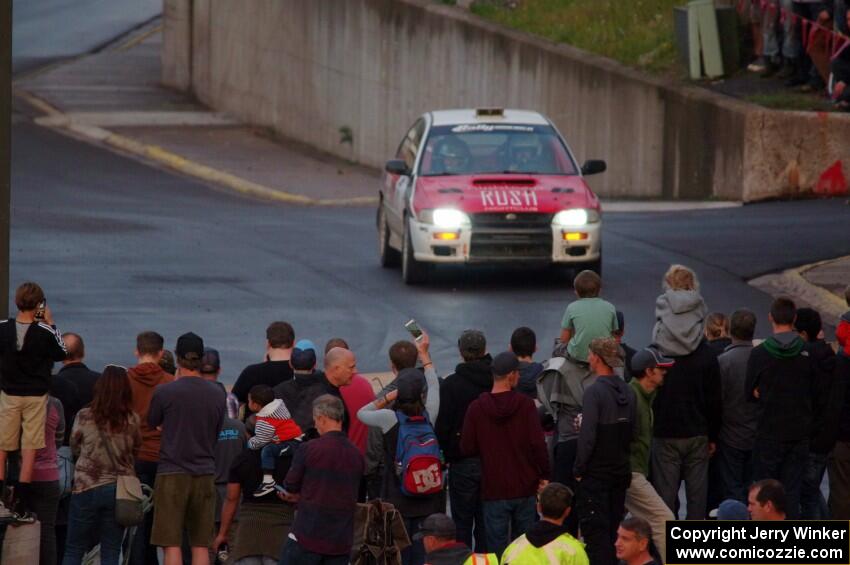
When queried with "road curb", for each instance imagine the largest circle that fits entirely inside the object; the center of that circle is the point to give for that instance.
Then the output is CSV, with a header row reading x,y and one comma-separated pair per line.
x,y
59,121
792,282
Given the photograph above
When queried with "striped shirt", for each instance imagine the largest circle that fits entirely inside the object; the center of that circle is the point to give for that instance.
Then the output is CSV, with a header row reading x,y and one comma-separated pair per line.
x,y
274,425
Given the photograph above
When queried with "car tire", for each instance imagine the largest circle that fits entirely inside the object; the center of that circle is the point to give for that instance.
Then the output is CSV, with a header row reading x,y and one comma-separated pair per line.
x,y
387,256
412,271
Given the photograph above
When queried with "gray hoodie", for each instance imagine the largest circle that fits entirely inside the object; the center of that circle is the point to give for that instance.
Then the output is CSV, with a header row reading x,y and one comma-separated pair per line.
x,y
679,320
560,389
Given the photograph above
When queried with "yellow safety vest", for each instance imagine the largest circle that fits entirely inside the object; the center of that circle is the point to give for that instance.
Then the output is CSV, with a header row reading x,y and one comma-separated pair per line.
x,y
482,559
563,550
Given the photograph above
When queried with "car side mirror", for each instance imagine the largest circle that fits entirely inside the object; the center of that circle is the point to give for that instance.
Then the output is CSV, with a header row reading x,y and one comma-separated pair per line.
x,y
593,166
397,167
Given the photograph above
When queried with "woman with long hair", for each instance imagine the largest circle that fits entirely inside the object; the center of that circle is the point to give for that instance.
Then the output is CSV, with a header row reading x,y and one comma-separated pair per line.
x,y
103,440
385,414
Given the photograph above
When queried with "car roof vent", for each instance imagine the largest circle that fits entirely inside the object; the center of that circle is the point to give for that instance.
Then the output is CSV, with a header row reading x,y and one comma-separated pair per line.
x,y
489,112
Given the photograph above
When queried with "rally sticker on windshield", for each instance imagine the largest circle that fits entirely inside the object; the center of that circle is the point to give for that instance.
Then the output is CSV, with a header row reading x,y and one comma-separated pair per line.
x,y
463,128
502,200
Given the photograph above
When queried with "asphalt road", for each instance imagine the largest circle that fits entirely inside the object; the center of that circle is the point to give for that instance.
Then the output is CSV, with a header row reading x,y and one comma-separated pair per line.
x,y
46,30
121,247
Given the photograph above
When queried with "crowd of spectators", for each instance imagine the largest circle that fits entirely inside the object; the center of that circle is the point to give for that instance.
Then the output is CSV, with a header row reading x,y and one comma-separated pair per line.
x,y
578,458
806,43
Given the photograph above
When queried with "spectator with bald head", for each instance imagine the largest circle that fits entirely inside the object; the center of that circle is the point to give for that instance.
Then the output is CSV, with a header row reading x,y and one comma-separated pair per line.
x,y
74,370
355,395
340,367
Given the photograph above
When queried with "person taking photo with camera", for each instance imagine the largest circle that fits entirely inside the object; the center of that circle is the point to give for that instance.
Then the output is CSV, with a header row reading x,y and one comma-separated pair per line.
x,y
29,345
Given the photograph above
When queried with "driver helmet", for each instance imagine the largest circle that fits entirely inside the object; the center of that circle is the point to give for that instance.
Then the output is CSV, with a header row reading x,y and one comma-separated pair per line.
x,y
524,148
453,153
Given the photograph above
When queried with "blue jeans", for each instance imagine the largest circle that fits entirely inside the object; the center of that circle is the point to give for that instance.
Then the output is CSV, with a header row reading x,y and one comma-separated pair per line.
x,y
270,453
791,47
91,521
294,554
465,500
784,461
812,503
735,470
507,520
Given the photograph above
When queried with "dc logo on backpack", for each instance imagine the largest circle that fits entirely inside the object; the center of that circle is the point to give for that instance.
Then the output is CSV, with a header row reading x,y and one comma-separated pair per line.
x,y
418,459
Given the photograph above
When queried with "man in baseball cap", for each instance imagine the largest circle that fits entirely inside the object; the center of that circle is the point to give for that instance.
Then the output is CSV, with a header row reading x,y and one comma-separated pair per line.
x,y
305,386
471,378
190,347
190,411
439,536
303,356
503,429
648,369
606,350
602,460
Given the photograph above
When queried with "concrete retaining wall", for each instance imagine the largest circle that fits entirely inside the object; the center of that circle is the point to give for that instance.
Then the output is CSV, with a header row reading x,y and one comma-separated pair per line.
x,y
309,69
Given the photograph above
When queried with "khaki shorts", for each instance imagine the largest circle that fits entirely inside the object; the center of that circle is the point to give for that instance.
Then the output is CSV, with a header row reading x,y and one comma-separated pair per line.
x,y
28,412
182,501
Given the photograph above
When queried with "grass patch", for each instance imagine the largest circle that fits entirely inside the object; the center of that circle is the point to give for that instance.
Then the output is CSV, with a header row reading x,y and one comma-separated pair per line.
x,y
790,101
635,32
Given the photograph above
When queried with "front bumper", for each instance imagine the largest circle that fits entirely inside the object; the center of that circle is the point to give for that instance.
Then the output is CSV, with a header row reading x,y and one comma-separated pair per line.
x,y
502,243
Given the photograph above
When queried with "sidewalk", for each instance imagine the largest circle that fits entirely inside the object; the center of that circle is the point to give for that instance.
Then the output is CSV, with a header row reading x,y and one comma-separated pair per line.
x,y
114,97
819,286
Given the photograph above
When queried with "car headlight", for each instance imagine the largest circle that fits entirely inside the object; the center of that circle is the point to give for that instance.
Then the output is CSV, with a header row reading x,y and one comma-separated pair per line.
x,y
446,218
575,217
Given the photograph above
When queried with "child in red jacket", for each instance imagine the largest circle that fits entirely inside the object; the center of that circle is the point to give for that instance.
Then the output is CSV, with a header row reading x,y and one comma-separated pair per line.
x,y
274,428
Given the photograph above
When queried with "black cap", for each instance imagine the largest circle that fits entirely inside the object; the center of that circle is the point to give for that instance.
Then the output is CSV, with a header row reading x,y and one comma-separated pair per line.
x,y
438,525
472,342
649,358
210,362
189,346
505,363
411,385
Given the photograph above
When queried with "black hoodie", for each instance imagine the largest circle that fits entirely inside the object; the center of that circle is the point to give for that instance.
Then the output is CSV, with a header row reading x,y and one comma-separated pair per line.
x,y
298,394
827,393
543,533
783,373
457,391
608,425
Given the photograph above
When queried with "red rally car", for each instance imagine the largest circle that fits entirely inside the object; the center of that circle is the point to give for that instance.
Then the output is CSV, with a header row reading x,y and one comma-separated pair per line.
x,y
487,186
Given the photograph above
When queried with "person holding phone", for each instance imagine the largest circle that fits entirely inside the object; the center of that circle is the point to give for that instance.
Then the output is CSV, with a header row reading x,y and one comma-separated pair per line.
x,y
29,345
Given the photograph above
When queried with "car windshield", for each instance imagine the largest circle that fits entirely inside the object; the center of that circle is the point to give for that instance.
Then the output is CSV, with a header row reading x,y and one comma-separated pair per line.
x,y
472,149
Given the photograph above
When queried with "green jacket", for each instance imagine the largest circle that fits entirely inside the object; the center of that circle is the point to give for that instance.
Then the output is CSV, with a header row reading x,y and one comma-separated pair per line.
x,y
643,429
563,550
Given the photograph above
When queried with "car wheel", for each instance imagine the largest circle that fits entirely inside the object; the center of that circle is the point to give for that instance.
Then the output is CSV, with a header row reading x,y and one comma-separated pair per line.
x,y
412,271
387,256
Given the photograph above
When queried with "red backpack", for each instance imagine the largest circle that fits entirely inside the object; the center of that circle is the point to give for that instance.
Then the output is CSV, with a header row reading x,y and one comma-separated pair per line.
x,y
418,459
